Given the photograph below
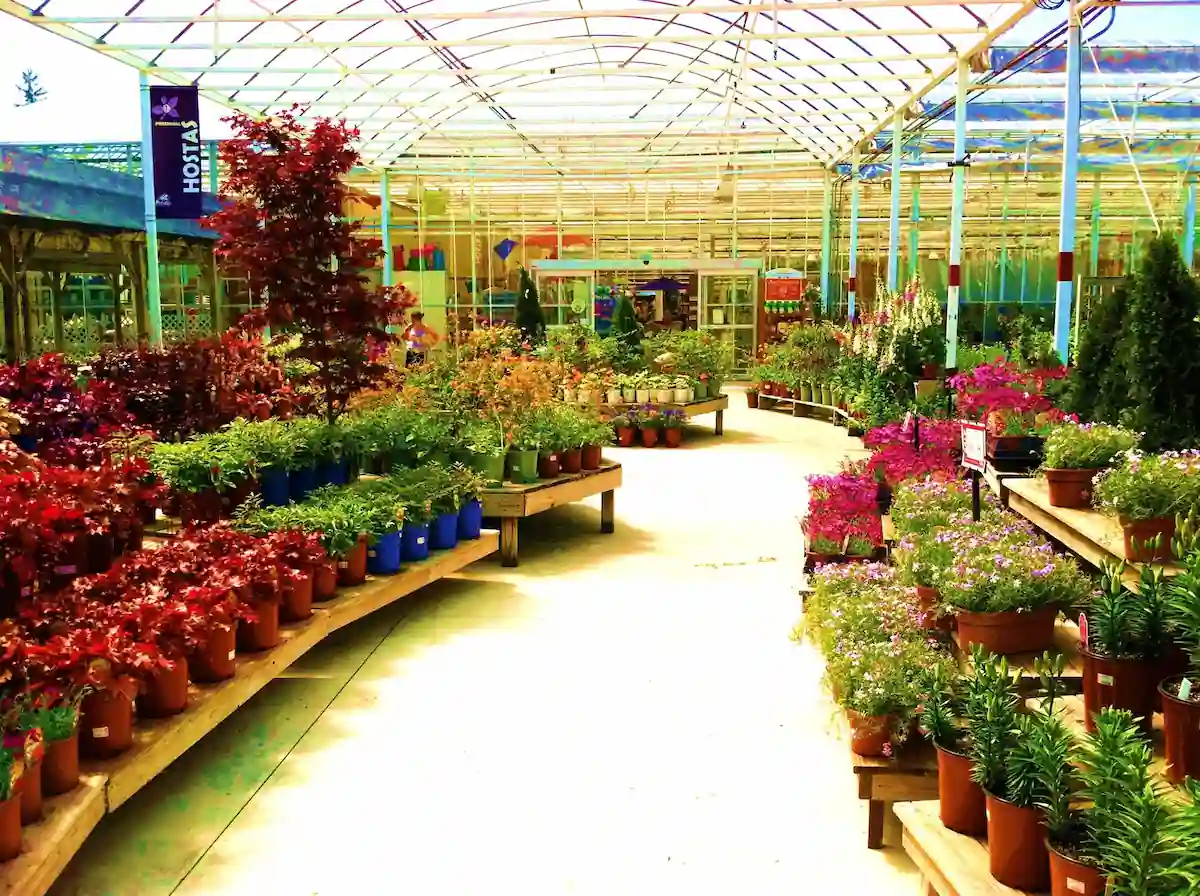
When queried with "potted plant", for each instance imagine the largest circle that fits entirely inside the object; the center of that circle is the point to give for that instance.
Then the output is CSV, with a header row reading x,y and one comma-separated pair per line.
x,y
486,443
684,392
628,383
1180,694
821,547
1008,587
644,392
673,422
10,807
1126,636
524,452
1074,453
624,428
752,396
649,421
1145,492
943,716
923,559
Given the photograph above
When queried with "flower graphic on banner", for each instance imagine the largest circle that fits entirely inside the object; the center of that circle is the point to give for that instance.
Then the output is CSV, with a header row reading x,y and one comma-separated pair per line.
x,y
168,108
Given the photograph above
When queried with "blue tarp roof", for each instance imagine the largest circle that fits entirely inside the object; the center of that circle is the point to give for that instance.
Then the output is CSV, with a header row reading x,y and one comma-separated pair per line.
x,y
38,186
1131,60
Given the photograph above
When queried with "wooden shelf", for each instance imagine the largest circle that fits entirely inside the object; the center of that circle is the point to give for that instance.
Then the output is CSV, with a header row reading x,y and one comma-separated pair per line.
x,y
950,864
1094,536
107,785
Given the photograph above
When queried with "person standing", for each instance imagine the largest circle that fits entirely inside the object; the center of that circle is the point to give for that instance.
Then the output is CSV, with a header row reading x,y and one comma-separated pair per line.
x,y
419,339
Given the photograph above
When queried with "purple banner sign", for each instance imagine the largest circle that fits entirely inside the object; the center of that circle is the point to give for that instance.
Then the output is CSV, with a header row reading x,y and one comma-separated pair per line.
x,y
175,136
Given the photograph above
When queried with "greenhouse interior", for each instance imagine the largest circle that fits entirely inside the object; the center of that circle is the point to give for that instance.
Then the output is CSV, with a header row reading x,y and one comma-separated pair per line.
x,y
331,333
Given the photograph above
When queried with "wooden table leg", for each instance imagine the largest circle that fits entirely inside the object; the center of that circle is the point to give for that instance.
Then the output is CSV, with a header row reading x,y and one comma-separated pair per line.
x,y
608,517
719,429
508,540
876,814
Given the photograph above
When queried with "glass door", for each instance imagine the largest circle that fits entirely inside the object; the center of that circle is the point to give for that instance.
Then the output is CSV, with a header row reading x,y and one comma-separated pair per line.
x,y
567,299
728,304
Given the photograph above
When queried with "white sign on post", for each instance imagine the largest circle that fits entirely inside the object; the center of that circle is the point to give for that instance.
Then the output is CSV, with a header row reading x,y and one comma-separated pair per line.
x,y
974,445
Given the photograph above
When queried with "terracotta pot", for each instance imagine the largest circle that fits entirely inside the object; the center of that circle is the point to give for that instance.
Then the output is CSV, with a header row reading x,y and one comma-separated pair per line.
x,y
549,465
106,723
325,581
1071,878
673,437
571,460
31,794
352,569
962,805
263,633
1008,632
1138,534
592,457
1123,683
797,394
751,399
165,691
10,828
215,662
1181,726
869,735
932,619
1017,846
625,436
1070,488
60,765
649,438
297,598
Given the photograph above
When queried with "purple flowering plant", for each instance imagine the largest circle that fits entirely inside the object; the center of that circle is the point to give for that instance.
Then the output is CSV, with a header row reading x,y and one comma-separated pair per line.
x,y
1150,486
1001,565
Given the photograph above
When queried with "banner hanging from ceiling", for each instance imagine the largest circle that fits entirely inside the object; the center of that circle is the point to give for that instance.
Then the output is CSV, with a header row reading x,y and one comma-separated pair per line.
x,y
175,138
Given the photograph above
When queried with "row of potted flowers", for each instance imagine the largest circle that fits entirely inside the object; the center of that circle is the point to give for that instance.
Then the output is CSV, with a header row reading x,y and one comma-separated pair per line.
x,y
80,661
647,423
639,388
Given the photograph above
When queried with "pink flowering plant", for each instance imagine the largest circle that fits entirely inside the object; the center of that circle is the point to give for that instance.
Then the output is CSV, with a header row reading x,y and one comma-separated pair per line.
x,y
1012,402
840,506
1150,486
1001,565
933,433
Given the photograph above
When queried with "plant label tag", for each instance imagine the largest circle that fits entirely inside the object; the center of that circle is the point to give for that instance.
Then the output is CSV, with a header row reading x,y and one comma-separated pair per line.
x,y
1103,679
342,564
1185,689
232,654
1076,886
372,554
99,733
1083,629
421,539
64,570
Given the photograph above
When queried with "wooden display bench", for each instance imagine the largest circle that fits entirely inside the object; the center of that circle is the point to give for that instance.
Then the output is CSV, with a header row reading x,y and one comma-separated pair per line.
x,y
801,408
718,405
1094,536
909,775
511,502
950,864
106,785
1066,642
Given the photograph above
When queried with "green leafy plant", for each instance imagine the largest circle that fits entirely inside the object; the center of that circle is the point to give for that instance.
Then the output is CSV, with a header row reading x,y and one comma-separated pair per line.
x,y
1086,446
991,704
1124,625
1150,486
1098,387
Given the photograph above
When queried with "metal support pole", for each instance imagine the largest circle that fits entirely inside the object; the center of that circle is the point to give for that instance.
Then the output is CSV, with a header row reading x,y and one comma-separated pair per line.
x,y
1189,225
153,282
385,225
1094,242
954,275
476,293
214,168
893,271
1003,288
914,231
1070,171
852,284
826,239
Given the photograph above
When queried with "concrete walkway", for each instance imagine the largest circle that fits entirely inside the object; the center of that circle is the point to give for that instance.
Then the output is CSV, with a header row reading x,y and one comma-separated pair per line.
x,y
621,715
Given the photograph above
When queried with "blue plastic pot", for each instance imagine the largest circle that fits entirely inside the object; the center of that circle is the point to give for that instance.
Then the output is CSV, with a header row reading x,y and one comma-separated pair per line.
x,y
274,486
443,534
383,557
470,520
301,482
28,444
414,542
333,473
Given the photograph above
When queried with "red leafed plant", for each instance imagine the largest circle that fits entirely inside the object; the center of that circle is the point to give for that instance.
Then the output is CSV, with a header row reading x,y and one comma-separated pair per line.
x,y
283,228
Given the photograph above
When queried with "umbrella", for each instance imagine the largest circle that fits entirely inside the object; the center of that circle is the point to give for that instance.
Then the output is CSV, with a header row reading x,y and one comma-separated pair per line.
x,y
548,239
663,284
504,248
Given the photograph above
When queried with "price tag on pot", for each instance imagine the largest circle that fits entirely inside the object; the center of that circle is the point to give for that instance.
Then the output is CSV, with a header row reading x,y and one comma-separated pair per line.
x,y
1076,886
420,539
232,654
1103,679
1083,629
1185,689
99,733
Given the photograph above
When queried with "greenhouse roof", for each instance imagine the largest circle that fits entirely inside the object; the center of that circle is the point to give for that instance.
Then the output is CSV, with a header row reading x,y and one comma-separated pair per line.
x,y
566,87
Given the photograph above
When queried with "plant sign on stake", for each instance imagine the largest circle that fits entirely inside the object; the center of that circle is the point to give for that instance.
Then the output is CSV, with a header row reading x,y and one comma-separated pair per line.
x,y
283,227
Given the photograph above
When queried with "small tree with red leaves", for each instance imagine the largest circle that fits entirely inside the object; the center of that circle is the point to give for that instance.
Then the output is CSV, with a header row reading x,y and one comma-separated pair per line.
x,y
282,227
